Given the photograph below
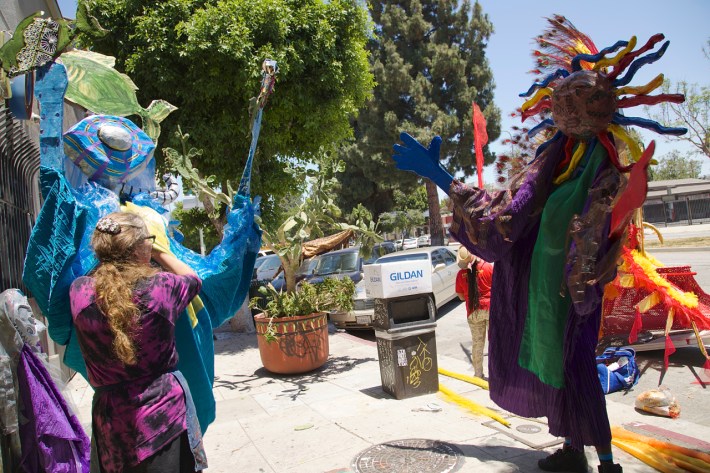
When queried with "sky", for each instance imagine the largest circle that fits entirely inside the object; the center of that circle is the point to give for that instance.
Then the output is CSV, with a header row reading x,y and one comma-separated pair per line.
x,y
517,22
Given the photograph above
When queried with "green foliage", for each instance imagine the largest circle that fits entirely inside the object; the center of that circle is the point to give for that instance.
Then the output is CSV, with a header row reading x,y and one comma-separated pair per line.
x,y
429,62
414,200
191,221
317,211
359,213
204,56
399,221
331,295
181,162
676,166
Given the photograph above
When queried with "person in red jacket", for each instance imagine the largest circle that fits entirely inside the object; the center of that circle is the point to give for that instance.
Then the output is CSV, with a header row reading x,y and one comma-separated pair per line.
x,y
473,285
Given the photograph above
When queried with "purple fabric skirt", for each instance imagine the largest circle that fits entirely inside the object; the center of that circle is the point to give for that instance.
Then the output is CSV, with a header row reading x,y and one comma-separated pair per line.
x,y
503,227
578,410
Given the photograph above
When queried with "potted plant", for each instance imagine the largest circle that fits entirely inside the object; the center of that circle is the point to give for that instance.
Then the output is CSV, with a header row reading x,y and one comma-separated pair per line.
x,y
292,330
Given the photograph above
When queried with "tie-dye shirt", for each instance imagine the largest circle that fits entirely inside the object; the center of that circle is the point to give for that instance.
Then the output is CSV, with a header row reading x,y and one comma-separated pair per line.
x,y
138,409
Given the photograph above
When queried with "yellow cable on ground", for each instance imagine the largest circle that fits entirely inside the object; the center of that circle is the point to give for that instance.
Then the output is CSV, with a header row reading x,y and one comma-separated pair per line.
x,y
481,383
451,396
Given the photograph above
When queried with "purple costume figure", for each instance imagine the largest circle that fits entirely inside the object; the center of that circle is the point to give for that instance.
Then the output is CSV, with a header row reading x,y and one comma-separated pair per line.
x,y
42,432
551,237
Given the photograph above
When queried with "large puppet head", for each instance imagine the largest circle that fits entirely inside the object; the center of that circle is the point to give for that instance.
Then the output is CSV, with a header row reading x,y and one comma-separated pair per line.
x,y
584,91
109,150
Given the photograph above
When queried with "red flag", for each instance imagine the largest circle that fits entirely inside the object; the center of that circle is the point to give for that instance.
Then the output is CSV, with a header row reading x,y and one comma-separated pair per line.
x,y
480,138
634,195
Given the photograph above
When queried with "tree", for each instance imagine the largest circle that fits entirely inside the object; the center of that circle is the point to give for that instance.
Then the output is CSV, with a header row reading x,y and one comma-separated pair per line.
x,y
191,221
430,65
522,149
204,57
693,114
415,200
675,166
400,221
447,204
308,220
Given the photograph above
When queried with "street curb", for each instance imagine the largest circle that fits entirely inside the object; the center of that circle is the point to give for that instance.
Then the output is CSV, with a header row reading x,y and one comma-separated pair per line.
x,y
677,249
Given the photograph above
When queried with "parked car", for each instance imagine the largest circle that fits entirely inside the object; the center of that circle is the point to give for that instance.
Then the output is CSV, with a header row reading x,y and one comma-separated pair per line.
x,y
266,268
398,244
444,270
424,240
338,264
305,270
380,249
410,243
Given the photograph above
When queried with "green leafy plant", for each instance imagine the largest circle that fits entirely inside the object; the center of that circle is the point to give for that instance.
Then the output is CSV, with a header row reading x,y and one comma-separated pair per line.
x,y
316,212
331,295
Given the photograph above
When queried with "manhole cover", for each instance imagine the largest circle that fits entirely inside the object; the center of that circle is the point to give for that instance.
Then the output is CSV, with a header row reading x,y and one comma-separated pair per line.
x,y
528,429
409,456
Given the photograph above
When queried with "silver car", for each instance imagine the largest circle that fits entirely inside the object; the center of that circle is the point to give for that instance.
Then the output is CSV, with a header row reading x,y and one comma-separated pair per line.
x,y
443,275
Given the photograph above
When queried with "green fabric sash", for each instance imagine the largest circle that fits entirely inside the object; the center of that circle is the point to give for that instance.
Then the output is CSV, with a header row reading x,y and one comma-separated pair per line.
x,y
541,349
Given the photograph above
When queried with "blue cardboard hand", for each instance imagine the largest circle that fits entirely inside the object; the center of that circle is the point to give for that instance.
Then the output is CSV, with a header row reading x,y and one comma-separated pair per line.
x,y
412,156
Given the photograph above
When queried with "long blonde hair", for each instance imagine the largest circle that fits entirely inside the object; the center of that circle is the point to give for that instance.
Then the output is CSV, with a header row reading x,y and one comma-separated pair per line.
x,y
114,241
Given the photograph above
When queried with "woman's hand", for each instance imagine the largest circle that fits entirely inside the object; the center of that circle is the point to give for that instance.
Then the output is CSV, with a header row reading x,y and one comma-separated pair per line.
x,y
414,157
170,263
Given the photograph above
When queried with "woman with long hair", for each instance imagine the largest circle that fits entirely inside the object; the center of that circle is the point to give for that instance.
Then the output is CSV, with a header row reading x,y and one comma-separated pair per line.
x,y
124,313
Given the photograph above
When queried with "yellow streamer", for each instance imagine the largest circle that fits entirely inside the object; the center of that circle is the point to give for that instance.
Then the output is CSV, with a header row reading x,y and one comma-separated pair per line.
x,y
451,396
648,302
660,238
544,92
669,321
643,89
576,158
648,455
605,62
462,377
699,339
620,133
627,280
687,299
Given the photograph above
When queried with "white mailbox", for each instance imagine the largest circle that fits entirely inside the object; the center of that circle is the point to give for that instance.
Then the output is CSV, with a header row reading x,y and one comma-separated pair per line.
x,y
397,279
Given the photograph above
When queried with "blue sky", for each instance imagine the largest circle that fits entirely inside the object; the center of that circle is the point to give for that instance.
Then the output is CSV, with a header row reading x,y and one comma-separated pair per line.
x,y
517,22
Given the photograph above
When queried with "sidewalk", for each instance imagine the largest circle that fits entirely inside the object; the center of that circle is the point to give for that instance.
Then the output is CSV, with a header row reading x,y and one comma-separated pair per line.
x,y
319,422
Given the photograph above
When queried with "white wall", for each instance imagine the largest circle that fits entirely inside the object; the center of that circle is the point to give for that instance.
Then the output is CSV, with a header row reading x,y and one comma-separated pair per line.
x,y
12,12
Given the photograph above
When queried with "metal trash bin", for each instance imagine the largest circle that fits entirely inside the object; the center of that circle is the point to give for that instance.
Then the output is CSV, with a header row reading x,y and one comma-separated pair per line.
x,y
406,345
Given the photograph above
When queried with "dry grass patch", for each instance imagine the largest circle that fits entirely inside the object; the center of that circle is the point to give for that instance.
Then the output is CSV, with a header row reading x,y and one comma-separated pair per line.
x,y
678,242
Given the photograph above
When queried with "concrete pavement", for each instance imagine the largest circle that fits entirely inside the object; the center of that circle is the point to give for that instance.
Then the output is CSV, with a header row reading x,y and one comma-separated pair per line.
x,y
319,422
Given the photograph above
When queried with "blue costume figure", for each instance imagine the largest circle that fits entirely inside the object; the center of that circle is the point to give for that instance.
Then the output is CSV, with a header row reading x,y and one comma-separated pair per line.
x,y
82,174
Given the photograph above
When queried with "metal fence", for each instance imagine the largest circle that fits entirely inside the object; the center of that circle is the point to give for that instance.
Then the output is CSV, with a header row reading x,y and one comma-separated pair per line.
x,y
19,189
19,203
688,210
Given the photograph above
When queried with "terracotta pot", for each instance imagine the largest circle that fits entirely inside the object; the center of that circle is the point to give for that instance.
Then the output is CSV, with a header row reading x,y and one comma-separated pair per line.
x,y
301,343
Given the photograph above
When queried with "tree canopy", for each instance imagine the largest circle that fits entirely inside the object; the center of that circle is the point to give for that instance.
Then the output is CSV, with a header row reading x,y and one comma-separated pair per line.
x,y
675,166
428,58
693,114
205,56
